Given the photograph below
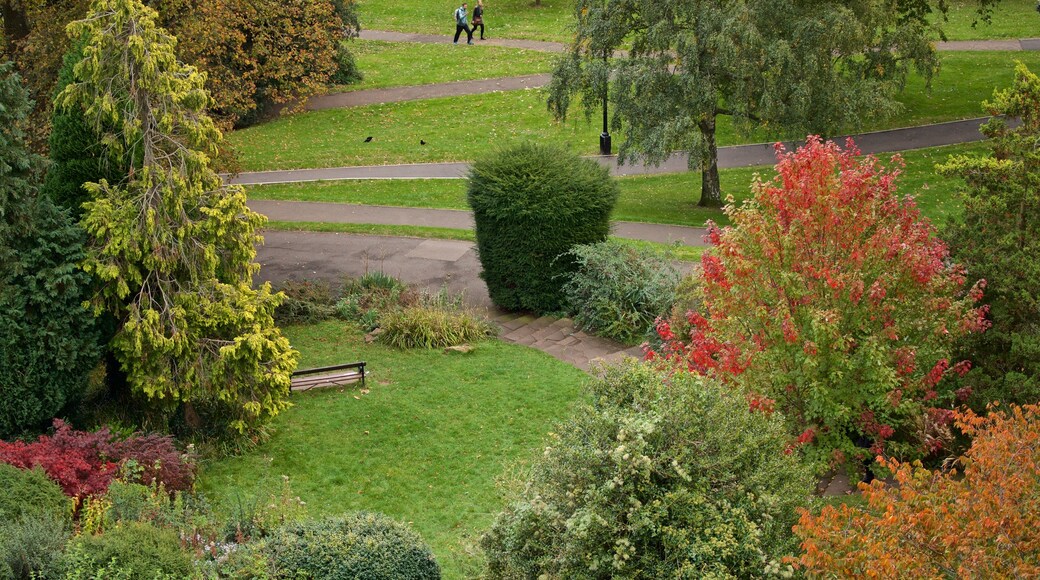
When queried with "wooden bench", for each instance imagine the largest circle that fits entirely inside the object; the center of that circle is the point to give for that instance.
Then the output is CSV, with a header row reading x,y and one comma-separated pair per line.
x,y
332,376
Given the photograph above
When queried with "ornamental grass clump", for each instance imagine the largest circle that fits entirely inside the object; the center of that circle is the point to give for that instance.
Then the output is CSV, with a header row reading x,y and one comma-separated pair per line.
x,y
618,290
532,203
436,320
658,475
831,300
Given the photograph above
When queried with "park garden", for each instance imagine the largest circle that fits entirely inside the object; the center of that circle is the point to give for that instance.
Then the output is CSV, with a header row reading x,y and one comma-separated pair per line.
x,y
871,317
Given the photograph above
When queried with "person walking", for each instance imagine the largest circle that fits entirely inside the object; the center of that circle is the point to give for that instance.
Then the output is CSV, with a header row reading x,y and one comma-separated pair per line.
x,y
478,18
460,25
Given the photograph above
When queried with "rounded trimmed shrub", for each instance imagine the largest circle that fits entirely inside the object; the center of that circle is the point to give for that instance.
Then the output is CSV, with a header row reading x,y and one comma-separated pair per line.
x,y
357,545
532,203
658,476
134,550
35,517
29,492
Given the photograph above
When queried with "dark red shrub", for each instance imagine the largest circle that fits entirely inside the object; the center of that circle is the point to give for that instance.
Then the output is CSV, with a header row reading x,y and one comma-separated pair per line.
x,y
84,463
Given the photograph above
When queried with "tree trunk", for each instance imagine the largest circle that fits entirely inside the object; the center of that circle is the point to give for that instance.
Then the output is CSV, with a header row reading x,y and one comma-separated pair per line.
x,y
711,191
16,25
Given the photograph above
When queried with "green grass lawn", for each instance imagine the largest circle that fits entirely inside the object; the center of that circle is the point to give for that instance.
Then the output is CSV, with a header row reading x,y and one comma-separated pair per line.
x,y
670,198
552,20
1011,19
465,127
502,18
425,445
396,64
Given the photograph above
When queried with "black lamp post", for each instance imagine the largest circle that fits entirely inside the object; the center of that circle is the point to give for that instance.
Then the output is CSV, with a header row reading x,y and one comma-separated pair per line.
x,y
604,137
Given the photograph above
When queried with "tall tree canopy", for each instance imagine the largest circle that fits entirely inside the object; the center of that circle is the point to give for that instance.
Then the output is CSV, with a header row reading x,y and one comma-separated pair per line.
x,y
171,245
792,67
254,52
48,341
998,239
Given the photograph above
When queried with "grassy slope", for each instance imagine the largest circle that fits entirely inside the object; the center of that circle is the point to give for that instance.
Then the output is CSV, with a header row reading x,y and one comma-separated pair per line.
x,y
424,446
656,198
551,21
396,64
1011,19
502,18
463,128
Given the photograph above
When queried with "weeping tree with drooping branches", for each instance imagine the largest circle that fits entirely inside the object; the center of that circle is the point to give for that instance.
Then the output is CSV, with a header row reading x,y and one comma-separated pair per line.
x,y
171,245
786,67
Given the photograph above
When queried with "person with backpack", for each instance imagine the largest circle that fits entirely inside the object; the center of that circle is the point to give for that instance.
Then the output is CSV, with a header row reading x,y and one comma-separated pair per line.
x,y
460,25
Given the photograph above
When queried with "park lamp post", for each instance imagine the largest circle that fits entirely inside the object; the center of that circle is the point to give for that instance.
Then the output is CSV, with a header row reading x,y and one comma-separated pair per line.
x,y
604,137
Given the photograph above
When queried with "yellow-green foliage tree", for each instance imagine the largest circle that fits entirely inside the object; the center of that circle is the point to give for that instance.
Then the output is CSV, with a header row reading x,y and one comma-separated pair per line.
x,y
172,246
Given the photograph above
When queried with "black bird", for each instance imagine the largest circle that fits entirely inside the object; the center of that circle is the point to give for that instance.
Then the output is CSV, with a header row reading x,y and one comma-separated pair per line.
x,y
368,139
421,142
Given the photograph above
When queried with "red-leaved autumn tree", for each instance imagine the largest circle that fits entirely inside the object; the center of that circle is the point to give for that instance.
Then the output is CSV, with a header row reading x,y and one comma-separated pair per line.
x,y
985,524
831,300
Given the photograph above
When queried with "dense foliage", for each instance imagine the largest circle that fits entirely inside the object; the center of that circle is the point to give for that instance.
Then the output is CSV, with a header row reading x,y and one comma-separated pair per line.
x,y
657,476
134,551
617,290
532,203
32,546
254,52
172,246
85,463
356,545
257,53
76,152
998,239
983,522
28,492
831,300
784,65
48,342
35,520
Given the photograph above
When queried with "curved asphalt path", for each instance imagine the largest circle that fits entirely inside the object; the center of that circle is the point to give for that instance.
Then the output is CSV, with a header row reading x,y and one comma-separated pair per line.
x,y
429,262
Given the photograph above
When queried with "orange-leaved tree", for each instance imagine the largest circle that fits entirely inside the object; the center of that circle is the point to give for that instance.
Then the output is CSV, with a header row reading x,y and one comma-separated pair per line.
x,y
982,523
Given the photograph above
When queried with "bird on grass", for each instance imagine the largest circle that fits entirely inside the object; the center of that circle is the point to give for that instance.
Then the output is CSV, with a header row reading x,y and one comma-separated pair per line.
x,y
368,139
421,142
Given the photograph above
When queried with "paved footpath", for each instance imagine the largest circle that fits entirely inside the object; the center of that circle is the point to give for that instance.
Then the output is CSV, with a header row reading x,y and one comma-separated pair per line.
x,y
429,264
436,263
344,213
734,156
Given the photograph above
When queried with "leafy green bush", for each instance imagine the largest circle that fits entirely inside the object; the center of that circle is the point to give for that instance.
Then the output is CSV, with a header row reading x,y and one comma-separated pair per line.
x,y
432,327
357,545
658,476
30,492
618,290
306,302
32,545
347,71
532,203
134,550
